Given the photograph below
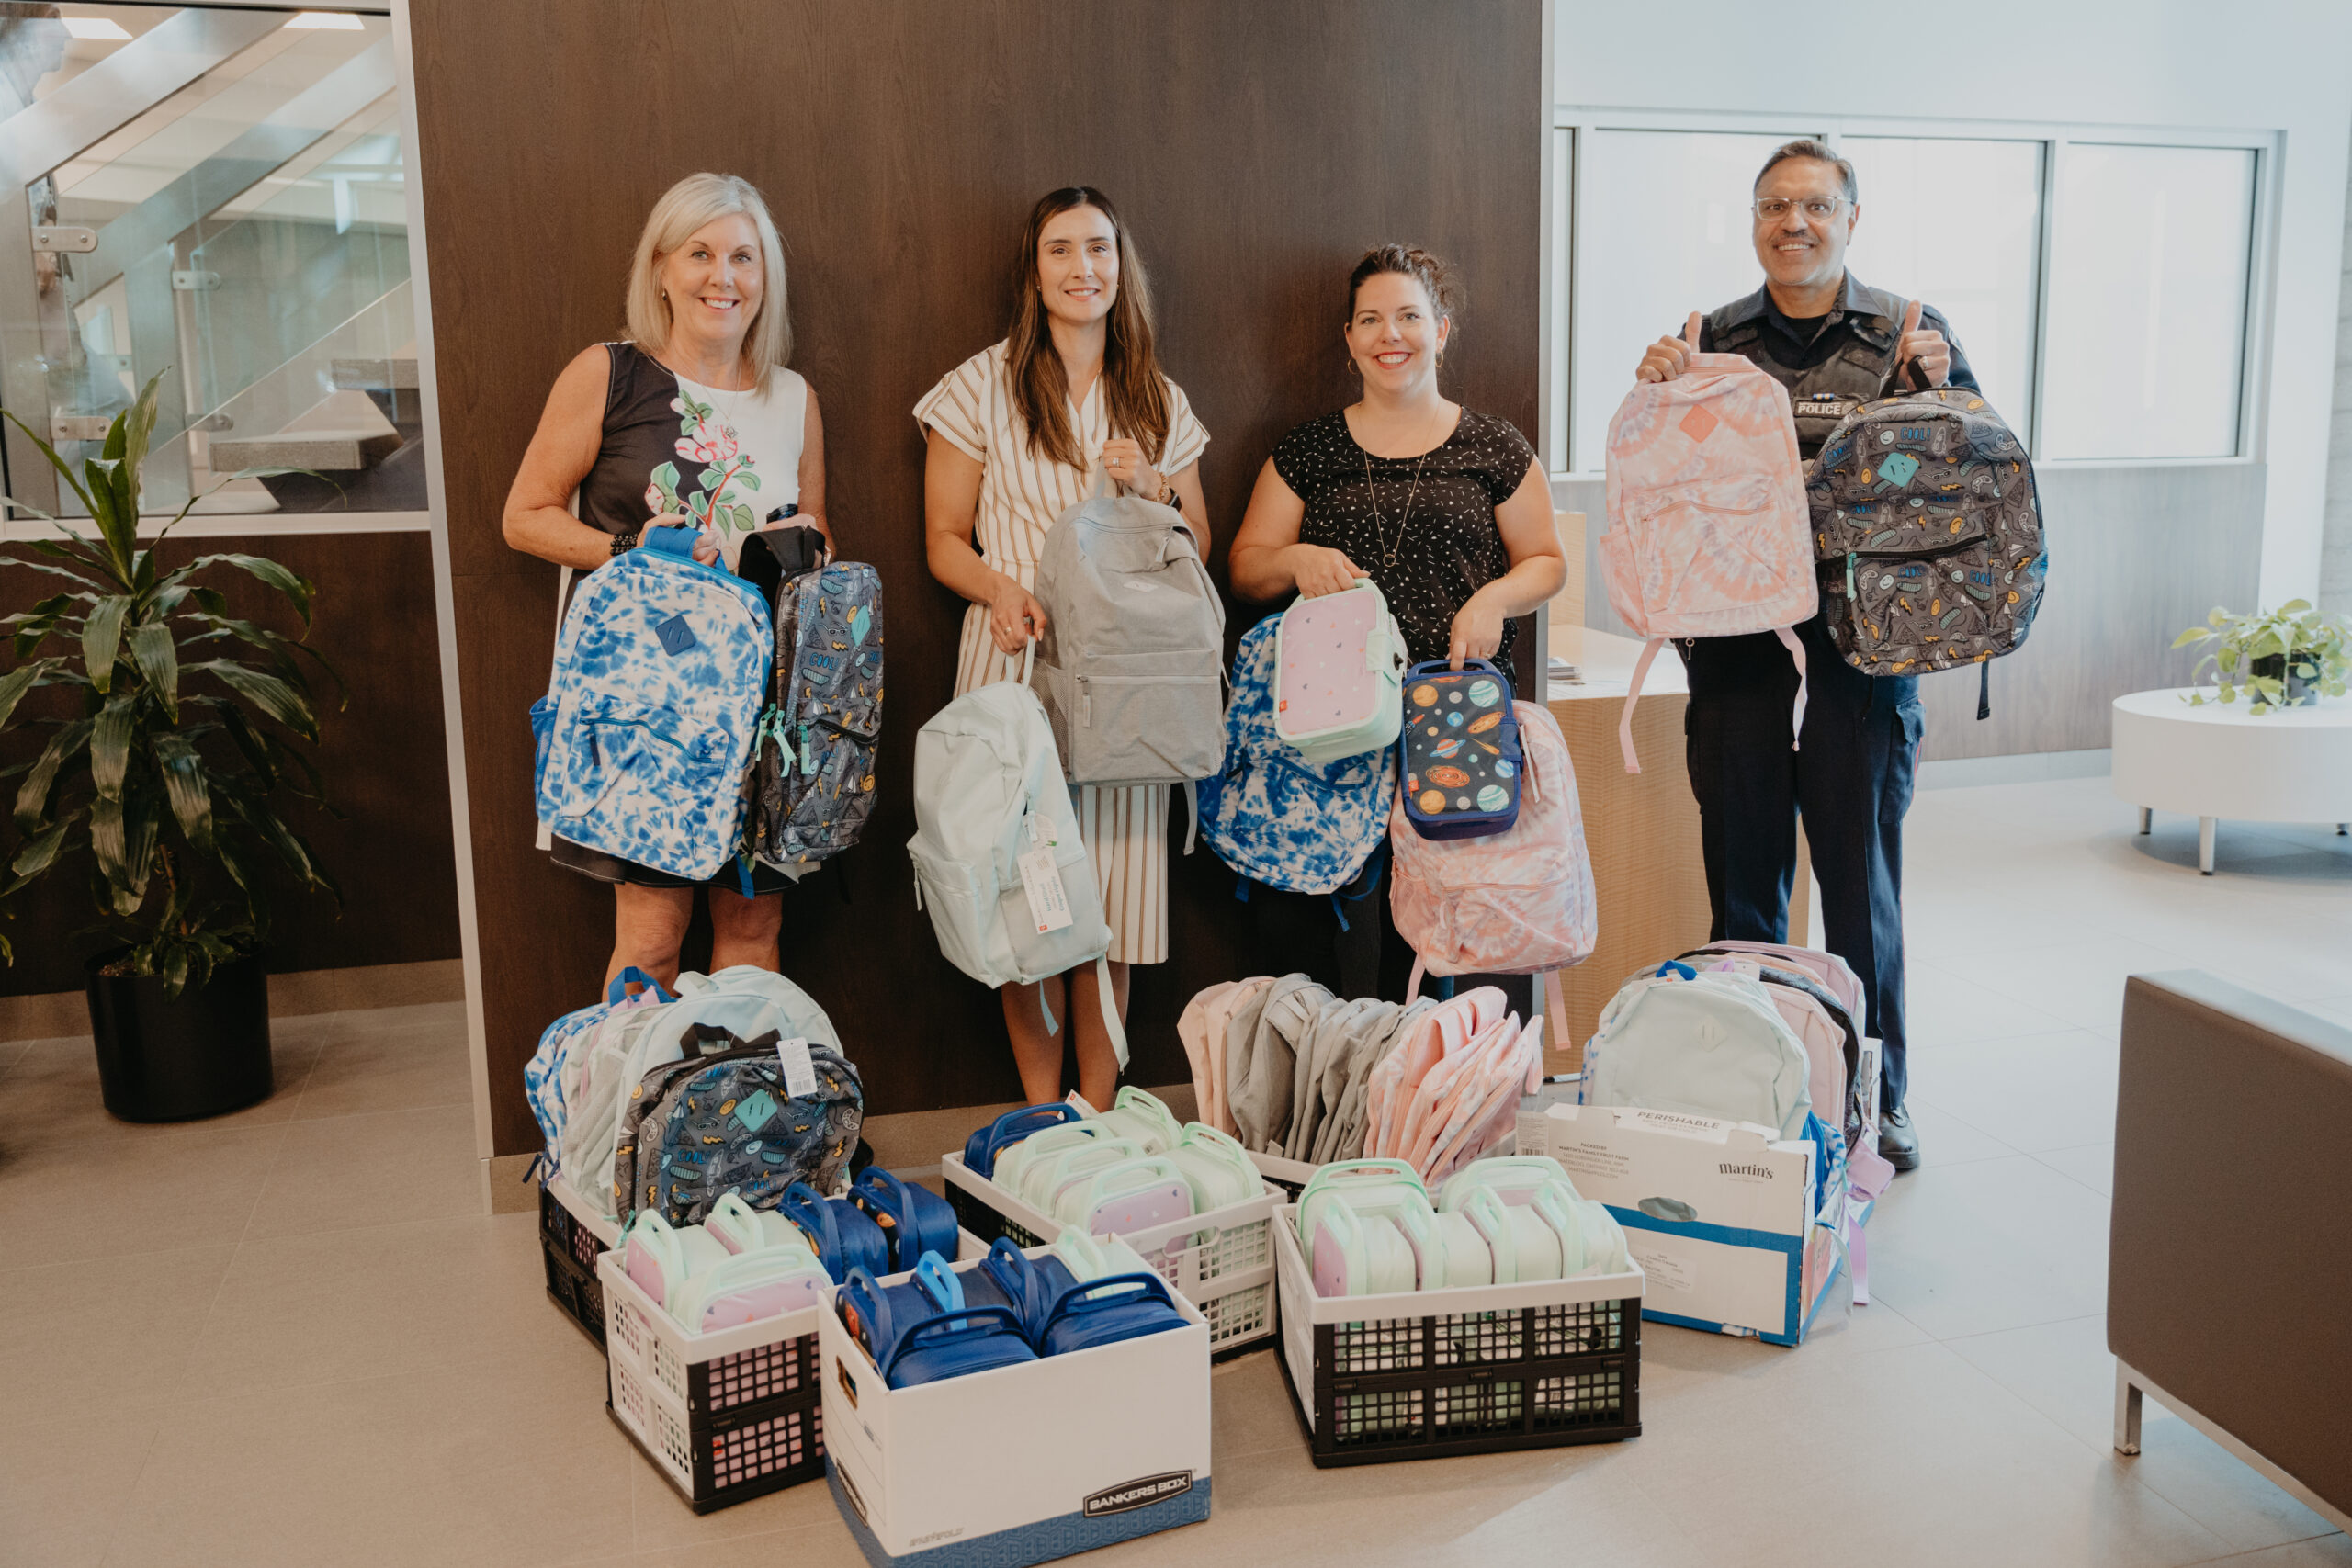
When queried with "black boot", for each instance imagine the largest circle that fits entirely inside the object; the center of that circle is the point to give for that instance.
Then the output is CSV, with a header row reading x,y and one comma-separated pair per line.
x,y
1897,1143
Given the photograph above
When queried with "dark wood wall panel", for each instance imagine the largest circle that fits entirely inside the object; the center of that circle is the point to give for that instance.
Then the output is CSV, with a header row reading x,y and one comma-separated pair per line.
x,y
1256,150
385,763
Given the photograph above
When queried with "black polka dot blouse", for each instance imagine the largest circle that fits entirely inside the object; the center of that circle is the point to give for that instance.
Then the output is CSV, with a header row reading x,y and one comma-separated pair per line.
x,y
1431,559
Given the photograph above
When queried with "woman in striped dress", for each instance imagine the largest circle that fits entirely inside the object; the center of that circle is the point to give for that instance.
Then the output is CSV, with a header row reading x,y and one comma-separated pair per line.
x,y
1015,435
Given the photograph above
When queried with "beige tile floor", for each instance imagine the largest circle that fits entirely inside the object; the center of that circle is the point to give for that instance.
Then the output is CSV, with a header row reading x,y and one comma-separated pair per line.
x,y
288,1336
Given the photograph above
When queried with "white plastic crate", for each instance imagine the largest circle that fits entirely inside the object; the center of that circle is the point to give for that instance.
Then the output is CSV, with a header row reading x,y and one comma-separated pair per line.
x,y
1222,1260
1471,1370
726,1416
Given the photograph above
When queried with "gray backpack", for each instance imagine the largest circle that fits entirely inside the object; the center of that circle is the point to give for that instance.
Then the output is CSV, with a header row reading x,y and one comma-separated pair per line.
x,y
1132,656
1927,533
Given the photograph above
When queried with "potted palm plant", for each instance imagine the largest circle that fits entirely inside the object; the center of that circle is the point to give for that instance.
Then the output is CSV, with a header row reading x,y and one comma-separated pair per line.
x,y
172,726
2290,657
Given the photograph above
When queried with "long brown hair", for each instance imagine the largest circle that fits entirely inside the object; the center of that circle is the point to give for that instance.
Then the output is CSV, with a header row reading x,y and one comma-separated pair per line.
x,y
1131,379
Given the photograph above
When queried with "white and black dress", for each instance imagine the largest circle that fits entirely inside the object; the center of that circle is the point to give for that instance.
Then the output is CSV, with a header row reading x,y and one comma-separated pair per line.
x,y
1428,560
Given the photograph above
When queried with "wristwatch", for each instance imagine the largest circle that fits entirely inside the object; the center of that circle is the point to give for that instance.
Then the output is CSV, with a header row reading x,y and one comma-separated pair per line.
x,y
624,543
1167,496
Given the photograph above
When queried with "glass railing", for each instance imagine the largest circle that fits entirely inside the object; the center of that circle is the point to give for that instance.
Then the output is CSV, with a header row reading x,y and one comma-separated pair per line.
x,y
217,195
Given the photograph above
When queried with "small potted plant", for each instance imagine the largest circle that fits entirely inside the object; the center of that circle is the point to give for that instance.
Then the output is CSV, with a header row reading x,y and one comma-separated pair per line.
x,y
2290,657
177,728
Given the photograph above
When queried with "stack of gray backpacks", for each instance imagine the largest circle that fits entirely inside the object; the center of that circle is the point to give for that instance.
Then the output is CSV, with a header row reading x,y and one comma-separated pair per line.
x,y
1298,1065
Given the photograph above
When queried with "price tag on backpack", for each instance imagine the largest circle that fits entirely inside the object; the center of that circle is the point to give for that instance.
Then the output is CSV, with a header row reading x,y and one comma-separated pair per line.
x,y
799,1072
1048,899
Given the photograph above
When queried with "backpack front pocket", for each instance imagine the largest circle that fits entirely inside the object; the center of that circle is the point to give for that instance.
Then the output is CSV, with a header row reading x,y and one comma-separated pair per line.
x,y
959,910
1917,605
1135,719
1697,551
649,783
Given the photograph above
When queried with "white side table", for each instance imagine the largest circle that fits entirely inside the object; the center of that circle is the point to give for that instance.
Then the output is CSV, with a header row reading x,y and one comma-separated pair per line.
x,y
2220,760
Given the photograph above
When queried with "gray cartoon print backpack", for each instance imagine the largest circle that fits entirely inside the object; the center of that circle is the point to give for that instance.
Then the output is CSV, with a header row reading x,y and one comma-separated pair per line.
x,y
812,771
1927,536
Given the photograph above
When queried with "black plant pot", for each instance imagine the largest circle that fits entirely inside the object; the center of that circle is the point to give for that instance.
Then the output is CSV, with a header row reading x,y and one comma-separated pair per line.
x,y
172,1061
2275,667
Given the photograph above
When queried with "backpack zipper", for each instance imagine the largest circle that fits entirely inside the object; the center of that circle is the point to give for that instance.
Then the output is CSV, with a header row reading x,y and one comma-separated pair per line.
x,y
1917,552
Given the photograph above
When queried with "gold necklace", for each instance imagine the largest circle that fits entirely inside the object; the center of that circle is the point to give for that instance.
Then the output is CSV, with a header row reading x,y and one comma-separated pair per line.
x,y
1372,491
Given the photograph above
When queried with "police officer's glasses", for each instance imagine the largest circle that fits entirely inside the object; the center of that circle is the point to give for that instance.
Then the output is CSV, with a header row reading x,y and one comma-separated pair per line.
x,y
1817,208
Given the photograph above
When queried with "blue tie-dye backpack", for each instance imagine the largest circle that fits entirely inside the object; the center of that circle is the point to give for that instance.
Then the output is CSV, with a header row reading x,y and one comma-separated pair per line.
x,y
1276,819
644,736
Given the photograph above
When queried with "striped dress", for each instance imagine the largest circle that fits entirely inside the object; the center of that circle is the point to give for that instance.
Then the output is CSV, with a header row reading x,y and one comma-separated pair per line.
x,y
1021,493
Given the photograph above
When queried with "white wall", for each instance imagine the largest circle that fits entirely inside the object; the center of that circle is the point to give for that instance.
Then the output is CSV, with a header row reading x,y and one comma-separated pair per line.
x,y
2280,65
2336,543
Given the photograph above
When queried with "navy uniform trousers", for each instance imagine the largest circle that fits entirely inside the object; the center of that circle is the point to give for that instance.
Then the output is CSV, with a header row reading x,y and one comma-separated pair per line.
x,y
1850,780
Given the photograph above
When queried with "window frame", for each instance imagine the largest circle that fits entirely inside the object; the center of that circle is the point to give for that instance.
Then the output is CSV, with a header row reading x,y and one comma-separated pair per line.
x,y
1567,285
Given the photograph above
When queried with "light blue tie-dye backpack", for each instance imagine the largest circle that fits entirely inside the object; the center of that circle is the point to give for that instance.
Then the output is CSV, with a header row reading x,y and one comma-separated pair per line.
x,y
1275,818
646,731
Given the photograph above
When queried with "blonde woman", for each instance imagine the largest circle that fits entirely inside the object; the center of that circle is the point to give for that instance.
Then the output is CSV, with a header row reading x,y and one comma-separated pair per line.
x,y
690,420
1016,435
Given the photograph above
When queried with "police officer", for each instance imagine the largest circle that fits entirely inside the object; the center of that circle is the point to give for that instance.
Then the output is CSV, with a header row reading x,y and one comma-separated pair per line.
x,y
1834,342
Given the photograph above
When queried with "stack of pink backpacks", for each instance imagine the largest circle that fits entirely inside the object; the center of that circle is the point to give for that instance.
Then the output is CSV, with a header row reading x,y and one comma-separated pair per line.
x,y
1709,533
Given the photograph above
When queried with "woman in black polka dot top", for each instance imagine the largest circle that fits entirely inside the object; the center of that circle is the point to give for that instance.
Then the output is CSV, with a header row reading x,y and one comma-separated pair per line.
x,y
1445,508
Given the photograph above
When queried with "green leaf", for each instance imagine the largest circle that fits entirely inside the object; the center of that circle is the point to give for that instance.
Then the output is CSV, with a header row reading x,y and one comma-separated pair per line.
x,y
110,745
251,742
107,844
267,693
120,533
70,575
102,638
127,440
293,585
32,796
2194,634
17,682
64,470
184,786
2226,659
175,972
2292,607
156,653
40,851
142,829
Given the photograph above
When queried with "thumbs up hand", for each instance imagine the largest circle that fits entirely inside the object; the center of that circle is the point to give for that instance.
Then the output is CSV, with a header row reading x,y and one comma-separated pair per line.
x,y
1930,355
1670,356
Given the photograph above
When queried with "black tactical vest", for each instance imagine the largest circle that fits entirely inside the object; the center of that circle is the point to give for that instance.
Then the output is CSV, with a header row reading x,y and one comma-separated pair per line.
x,y
1825,393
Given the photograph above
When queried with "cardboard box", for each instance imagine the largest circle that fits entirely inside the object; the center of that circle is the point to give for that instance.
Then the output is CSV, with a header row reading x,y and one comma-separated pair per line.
x,y
1026,1463
1718,1214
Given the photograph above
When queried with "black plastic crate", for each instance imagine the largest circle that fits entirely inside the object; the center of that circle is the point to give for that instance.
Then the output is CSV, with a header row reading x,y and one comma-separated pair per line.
x,y
1473,1382
578,1295
985,1222
568,1251
733,1458
786,1370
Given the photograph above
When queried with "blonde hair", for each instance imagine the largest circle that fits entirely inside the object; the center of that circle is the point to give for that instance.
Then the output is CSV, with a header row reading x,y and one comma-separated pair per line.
x,y
685,206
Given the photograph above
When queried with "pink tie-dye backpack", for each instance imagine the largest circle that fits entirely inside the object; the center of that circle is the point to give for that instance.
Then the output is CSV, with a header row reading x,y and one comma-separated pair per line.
x,y
1709,533
1518,902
